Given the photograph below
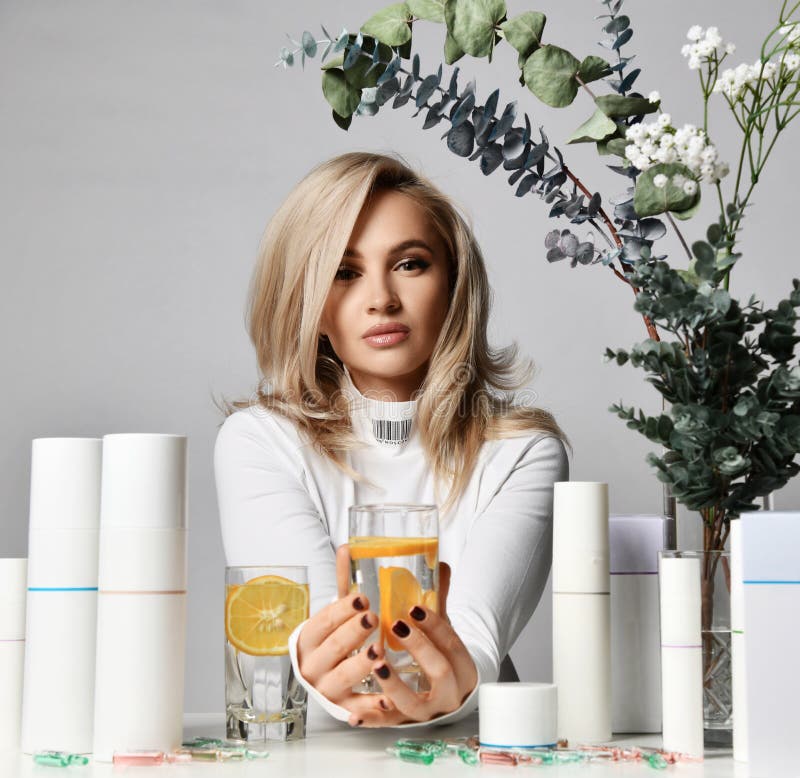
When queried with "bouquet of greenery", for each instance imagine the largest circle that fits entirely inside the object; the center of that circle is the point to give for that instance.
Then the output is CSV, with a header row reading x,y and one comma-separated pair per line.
x,y
726,369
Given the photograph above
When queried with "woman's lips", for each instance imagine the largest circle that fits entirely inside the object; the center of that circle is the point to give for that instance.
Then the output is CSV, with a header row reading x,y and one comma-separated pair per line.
x,y
387,339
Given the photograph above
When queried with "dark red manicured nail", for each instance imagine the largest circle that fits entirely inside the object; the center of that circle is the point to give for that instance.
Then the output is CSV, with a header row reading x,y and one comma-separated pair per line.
x,y
401,629
372,654
358,604
417,613
365,622
383,704
382,672
359,722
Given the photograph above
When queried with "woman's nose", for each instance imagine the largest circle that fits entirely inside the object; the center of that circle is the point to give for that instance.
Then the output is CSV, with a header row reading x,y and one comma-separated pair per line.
x,y
382,295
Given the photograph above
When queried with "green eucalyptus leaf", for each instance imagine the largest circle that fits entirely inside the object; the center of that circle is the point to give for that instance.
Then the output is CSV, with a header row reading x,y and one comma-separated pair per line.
x,y
524,32
705,257
472,23
309,44
617,146
714,233
336,62
342,96
596,128
619,106
618,24
689,212
343,121
452,51
390,25
431,10
550,74
649,200
593,68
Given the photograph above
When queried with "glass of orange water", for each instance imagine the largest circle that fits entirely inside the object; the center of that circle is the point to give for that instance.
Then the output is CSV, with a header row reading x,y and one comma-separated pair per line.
x,y
394,560
263,698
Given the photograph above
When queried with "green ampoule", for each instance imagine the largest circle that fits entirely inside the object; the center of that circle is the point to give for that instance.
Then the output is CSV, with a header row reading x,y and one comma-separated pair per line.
x,y
414,754
657,761
59,759
468,755
255,754
435,747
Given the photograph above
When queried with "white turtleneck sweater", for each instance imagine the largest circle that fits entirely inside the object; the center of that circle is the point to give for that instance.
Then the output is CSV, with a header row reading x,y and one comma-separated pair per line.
x,y
280,502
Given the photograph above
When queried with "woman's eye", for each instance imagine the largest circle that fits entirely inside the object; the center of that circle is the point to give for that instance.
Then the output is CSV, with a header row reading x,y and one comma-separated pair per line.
x,y
341,274
414,262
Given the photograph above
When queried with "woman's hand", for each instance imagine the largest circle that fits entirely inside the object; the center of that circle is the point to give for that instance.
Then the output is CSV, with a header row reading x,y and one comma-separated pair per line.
x,y
326,642
444,659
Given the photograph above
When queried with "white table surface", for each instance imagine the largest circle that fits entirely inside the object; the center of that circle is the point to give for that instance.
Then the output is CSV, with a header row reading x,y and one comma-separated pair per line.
x,y
332,748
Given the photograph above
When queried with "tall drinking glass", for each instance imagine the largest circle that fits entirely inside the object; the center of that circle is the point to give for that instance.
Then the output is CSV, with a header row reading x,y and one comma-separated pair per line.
x,y
394,553
263,699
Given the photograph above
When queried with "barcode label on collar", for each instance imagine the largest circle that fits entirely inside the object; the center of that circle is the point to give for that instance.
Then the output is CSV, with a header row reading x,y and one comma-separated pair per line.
x,y
388,431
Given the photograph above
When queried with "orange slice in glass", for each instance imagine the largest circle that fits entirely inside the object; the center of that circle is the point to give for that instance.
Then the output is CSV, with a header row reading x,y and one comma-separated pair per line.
x,y
261,614
400,591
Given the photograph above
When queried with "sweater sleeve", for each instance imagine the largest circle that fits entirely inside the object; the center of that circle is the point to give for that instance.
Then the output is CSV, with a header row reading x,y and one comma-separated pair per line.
x,y
266,514
505,563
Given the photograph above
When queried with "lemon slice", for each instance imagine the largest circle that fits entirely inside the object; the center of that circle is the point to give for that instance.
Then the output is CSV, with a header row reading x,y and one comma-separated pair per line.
x,y
261,613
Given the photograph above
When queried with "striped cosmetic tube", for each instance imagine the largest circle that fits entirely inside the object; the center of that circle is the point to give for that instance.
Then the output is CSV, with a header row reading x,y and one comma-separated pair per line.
x,y
771,577
61,611
13,585
141,616
681,653
635,644
738,678
581,611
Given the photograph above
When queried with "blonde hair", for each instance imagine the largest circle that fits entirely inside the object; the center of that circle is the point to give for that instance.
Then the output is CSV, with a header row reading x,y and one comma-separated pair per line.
x,y
299,255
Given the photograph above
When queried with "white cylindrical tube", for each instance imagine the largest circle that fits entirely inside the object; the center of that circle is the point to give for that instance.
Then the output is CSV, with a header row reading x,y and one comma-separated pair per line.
x,y
681,654
61,611
635,641
141,618
13,585
738,679
581,611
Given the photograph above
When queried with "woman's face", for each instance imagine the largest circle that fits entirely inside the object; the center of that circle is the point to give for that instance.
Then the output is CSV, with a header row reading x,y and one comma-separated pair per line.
x,y
394,271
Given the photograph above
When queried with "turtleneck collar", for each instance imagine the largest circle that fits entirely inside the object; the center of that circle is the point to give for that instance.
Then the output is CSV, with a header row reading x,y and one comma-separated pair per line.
x,y
388,422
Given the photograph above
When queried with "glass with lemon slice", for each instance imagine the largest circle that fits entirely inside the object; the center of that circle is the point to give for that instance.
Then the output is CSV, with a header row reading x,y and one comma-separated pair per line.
x,y
394,560
263,699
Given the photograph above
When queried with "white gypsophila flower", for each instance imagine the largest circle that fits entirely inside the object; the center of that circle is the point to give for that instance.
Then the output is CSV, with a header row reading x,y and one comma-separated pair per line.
x,y
695,32
690,187
791,31
713,37
792,61
709,154
664,120
654,96
687,145
660,181
721,169
665,155
768,70
648,148
678,180
694,63
730,48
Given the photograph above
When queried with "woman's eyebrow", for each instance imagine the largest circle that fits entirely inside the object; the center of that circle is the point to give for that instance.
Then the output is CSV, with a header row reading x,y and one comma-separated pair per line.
x,y
406,244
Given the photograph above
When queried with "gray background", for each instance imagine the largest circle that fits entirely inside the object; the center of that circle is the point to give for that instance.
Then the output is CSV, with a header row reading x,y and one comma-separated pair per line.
x,y
143,147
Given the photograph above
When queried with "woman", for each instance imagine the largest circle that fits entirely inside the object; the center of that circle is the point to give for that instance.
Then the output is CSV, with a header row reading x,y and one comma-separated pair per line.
x,y
368,311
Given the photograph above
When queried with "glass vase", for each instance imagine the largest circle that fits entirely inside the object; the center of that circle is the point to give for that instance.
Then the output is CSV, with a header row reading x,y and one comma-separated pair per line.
x,y
715,591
